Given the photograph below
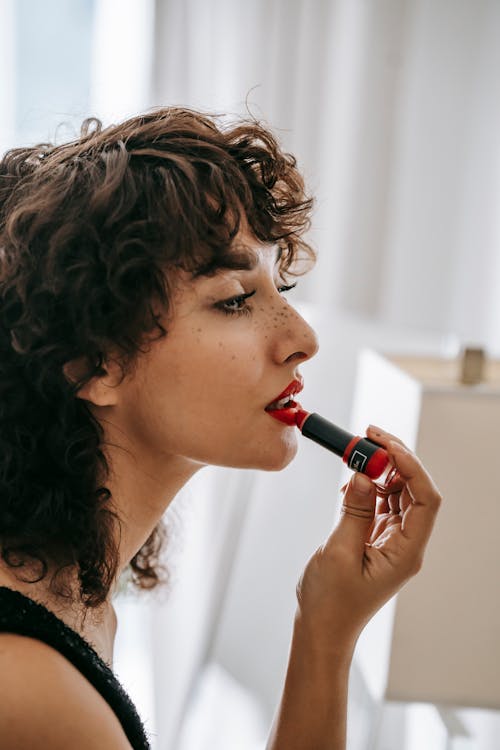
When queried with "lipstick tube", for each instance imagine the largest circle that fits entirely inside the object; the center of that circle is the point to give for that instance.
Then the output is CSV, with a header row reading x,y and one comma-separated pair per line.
x,y
359,453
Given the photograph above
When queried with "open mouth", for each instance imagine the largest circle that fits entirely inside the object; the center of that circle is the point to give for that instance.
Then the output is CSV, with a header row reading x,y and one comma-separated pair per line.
x,y
283,403
284,408
285,412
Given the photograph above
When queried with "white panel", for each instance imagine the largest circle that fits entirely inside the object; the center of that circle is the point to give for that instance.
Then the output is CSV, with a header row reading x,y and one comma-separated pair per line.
x,y
386,397
443,642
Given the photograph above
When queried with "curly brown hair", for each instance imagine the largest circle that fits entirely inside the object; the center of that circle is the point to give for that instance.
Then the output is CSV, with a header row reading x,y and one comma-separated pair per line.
x,y
88,232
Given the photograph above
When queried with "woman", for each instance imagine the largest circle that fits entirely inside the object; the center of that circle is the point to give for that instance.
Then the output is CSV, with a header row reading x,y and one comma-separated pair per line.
x,y
144,331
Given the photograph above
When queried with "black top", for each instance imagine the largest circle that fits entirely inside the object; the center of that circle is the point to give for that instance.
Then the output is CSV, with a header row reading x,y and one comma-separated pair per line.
x,y
21,615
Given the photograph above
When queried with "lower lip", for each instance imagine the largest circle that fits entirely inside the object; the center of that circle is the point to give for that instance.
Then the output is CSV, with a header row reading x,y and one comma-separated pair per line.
x,y
288,416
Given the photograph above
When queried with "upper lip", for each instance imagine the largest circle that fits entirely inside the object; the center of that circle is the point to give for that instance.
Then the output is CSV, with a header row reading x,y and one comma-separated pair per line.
x,y
291,390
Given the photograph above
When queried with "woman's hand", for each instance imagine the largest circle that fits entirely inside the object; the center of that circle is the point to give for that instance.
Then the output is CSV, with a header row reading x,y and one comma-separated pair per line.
x,y
377,545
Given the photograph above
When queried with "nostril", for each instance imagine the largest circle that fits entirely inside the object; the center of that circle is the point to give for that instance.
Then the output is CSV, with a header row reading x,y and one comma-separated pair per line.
x,y
297,355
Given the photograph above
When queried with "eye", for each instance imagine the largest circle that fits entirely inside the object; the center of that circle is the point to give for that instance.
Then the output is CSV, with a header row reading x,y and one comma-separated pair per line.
x,y
238,306
235,305
287,288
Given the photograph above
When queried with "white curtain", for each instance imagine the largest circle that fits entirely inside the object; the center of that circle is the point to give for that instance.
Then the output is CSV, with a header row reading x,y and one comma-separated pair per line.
x,y
393,110
122,58
7,77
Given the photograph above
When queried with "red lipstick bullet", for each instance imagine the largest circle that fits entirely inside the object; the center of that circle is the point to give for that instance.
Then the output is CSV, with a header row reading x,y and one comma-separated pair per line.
x,y
359,453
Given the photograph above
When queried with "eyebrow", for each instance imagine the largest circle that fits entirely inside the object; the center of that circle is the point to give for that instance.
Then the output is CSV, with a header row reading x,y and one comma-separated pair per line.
x,y
239,259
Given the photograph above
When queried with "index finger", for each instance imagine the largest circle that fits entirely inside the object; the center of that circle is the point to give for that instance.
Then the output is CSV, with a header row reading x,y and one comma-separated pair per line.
x,y
420,515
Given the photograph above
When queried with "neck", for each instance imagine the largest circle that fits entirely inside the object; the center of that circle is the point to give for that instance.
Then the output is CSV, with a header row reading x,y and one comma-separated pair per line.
x,y
141,494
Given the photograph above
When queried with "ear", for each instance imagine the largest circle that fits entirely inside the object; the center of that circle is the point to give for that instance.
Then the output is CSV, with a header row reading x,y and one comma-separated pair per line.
x,y
101,390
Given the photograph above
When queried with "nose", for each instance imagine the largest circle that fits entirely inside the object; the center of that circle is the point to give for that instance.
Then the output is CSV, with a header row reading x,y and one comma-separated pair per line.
x,y
295,340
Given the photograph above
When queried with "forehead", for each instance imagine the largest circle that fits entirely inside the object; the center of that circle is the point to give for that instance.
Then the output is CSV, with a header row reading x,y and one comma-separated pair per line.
x,y
240,257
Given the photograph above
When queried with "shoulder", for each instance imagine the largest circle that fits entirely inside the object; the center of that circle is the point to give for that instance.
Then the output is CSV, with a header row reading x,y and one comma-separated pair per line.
x,y
45,702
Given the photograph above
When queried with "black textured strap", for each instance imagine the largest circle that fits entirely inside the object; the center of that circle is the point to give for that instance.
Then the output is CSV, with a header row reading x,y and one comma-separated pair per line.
x,y
22,615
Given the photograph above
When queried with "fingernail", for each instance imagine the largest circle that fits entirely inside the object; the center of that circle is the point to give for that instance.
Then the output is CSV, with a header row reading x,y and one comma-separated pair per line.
x,y
375,429
362,484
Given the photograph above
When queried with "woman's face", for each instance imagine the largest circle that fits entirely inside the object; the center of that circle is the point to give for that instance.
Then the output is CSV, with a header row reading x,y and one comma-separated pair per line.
x,y
201,391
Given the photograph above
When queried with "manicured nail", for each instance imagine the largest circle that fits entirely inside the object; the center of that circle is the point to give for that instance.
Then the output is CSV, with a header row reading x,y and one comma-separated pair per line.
x,y
362,484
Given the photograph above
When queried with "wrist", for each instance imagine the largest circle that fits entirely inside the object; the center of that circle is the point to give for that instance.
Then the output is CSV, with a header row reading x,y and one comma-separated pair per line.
x,y
313,708
331,642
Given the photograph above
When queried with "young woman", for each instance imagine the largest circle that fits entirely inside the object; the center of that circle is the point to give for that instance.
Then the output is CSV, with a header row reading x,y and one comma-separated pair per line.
x,y
144,329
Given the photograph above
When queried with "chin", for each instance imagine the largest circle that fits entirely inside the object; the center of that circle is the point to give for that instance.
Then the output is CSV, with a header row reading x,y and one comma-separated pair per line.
x,y
276,460
279,466
273,455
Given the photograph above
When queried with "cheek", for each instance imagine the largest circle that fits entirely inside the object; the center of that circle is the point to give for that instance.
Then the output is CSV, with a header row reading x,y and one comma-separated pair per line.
x,y
201,374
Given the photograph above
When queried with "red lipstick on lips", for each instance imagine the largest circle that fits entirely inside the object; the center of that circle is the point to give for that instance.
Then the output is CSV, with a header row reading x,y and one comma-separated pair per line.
x,y
359,453
287,410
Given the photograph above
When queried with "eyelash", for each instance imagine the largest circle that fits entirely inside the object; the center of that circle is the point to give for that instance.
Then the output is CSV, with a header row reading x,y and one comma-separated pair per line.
x,y
246,309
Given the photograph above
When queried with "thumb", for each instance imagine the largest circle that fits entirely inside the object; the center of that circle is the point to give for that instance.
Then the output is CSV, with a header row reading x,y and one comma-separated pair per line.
x,y
357,512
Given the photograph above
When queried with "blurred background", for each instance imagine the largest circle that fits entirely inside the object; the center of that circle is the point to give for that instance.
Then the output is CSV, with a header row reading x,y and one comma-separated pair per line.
x,y
392,108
